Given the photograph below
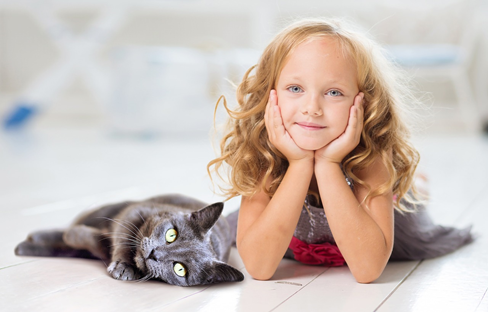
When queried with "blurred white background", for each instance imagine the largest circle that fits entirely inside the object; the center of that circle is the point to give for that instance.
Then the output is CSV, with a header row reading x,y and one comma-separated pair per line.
x,y
135,67
121,97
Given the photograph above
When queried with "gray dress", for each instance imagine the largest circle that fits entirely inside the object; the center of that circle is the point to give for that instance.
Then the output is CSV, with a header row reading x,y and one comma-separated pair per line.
x,y
416,236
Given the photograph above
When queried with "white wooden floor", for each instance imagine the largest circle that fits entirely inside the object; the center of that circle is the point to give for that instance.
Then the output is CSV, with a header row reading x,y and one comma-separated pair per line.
x,y
47,176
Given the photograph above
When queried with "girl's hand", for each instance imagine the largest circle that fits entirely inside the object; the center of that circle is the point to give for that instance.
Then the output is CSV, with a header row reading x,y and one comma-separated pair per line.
x,y
336,150
278,136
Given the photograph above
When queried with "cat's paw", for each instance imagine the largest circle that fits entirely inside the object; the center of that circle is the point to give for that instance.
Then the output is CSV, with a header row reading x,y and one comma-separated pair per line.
x,y
122,271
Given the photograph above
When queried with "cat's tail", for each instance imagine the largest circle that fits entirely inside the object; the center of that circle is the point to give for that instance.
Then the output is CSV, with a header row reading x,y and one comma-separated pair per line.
x,y
232,220
49,244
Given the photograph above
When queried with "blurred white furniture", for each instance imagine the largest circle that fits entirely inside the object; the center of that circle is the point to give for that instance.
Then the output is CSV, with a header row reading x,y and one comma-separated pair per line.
x,y
80,53
449,61
481,70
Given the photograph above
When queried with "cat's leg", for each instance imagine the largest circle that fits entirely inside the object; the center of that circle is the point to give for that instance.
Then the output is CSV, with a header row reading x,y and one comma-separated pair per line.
x,y
126,240
99,244
124,271
88,238
123,266
49,243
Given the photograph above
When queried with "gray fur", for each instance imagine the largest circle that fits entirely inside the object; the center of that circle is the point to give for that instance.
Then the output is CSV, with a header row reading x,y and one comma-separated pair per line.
x,y
131,236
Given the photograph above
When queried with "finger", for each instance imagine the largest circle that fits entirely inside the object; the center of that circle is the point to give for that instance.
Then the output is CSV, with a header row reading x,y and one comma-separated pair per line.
x,y
279,127
352,123
273,98
360,111
353,118
277,120
273,116
359,102
359,115
268,112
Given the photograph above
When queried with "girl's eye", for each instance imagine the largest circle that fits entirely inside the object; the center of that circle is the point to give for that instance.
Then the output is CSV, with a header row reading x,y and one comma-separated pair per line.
x,y
179,269
334,93
295,89
171,235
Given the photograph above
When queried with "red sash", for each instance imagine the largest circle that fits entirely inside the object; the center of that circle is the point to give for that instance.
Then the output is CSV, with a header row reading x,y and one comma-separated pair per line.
x,y
325,254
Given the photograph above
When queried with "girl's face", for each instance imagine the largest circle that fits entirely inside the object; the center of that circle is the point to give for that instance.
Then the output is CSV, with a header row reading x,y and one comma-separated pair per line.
x,y
316,89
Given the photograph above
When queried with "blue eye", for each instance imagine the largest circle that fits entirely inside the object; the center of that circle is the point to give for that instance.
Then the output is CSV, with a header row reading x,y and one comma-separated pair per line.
x,y
295,89
334,93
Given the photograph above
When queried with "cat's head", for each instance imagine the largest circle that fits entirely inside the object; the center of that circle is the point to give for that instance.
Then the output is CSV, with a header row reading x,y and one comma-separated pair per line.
x,y
177,249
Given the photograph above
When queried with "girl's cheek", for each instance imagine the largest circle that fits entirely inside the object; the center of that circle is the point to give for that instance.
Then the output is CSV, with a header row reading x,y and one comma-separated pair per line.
x,y
343,116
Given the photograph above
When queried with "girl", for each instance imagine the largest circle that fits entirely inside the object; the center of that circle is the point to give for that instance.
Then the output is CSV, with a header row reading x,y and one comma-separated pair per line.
x,y
320,154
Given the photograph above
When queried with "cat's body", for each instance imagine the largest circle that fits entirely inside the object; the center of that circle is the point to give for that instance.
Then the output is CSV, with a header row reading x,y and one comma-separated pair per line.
x,y
173,238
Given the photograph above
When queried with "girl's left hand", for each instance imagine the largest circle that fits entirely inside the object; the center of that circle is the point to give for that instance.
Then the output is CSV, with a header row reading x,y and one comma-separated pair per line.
x,y
336,150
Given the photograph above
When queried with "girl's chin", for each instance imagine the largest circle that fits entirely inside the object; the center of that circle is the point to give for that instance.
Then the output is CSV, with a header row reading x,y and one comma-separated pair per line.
x,y
310,146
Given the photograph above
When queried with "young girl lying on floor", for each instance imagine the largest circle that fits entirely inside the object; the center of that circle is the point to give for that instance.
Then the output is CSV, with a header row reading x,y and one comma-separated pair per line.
x,y
318,148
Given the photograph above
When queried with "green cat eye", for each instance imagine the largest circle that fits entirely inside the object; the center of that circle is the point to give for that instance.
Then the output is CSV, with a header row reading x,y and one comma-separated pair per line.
x,y
179,269
171,235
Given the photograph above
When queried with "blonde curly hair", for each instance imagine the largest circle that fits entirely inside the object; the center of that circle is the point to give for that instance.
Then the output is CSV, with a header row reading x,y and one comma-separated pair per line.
x,y
251,158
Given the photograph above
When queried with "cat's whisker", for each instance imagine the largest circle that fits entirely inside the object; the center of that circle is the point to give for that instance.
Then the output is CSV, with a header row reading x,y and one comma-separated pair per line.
x,y
128,238
126,234
121,224
143,220
133,226
144,278
112,236
123,240
123,237
124,244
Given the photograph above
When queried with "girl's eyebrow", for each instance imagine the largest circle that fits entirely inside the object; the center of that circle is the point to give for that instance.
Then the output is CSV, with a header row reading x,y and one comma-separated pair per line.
x,y
339,82
294,77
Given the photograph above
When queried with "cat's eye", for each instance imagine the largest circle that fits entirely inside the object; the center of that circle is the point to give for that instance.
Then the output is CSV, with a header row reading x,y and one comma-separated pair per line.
x,y
179,269
171,235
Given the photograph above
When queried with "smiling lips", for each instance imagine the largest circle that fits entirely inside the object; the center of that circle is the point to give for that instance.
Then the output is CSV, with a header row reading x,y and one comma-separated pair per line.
x,y
310,126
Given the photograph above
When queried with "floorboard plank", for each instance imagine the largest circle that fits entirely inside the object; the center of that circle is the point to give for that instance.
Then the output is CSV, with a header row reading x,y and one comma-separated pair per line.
x,y
46,182
455,282
336,290
253,295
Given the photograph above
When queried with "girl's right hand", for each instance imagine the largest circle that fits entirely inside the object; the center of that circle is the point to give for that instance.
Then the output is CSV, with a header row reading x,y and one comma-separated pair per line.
x,y
278,136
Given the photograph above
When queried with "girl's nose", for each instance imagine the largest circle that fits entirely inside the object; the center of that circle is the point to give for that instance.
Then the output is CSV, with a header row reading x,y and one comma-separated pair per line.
x,y
312,107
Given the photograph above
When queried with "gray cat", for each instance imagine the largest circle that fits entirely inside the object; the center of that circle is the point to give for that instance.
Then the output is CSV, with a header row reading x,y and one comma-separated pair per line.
x,y
170,238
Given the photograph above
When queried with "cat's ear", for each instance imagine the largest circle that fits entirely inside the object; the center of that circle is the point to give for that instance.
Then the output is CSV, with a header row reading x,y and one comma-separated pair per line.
x,y
206,217
222,272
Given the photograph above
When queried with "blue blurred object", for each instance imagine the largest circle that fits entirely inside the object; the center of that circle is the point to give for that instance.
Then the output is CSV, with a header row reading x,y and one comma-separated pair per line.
x,y
19,115
424,55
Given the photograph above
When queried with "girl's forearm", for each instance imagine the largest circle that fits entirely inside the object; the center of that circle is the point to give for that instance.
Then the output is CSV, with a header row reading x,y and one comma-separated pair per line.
x,y
266,240
359,237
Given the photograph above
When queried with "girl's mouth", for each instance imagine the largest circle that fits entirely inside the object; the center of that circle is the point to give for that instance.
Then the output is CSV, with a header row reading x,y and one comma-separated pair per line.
x,y
310,126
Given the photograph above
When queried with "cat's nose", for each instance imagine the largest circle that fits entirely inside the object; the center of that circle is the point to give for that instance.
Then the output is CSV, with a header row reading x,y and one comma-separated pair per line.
x,y
152,256
155,255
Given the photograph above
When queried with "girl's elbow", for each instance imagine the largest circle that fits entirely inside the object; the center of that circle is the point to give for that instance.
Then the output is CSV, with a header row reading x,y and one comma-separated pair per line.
x,y
261,276
366,279
366,272
368,276
258,268
259,273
